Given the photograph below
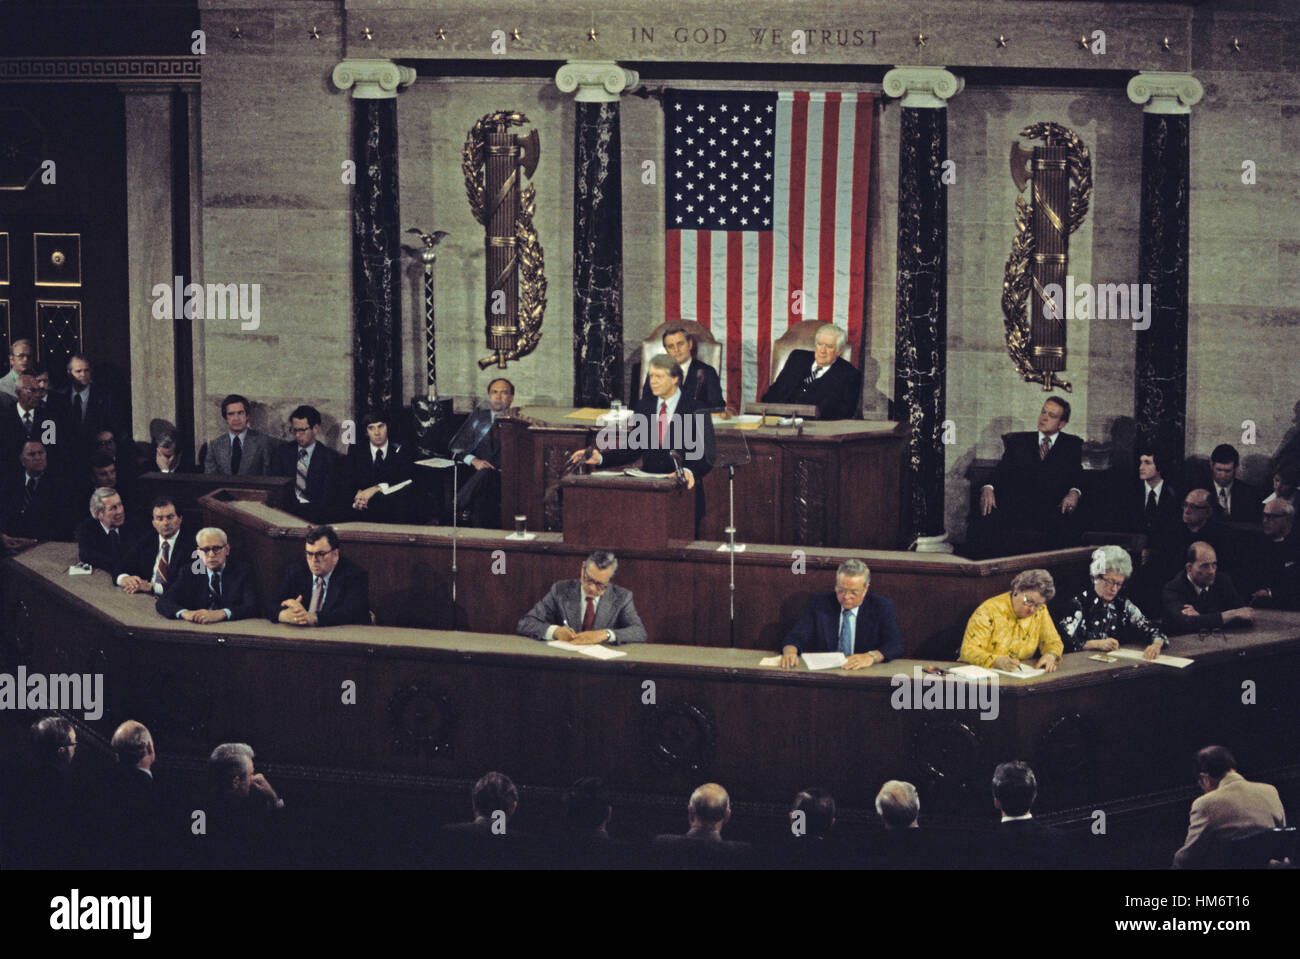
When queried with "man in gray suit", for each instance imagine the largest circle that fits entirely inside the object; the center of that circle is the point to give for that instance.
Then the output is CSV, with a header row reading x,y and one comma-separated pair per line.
x,y
604,612
240,451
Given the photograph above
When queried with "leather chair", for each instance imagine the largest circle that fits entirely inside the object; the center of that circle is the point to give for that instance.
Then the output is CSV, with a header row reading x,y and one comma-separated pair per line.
x,y
801,336
707,349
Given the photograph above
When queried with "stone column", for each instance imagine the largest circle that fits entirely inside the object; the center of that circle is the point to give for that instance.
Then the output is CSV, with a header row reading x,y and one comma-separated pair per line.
x,y
921,313
597,228
1160,370
376,243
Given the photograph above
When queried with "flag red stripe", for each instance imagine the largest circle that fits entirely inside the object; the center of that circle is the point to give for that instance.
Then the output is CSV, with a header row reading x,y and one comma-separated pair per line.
x,y
829,190
703,276
735,307
764,312
673,283
798,175
862,126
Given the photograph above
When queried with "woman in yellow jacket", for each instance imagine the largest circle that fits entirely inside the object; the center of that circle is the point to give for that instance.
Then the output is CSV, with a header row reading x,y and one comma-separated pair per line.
x,y
1014,626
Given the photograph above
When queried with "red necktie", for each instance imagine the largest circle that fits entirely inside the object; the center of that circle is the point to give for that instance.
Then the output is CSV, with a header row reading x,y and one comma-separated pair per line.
x,y
163,563
1044,448
663,421
590,616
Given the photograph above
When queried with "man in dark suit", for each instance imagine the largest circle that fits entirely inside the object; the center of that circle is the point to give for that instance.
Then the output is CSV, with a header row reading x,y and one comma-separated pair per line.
x,y
490,840
669,434
1202,597
1274,577
103,537
33,500
245,813
479,496
1152,509
1231,806
820,377
904,844
585,842
337,589
143,826
809,840
25,420
241,450
700,381
155,558
1035,490
167,456
863,627
702,845
224,589
381,463
1235,500
91,406
1023,842
604,611
316,469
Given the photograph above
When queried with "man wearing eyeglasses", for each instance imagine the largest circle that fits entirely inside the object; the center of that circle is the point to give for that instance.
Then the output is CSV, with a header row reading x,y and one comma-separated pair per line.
x,y
327,590
219,590
863,627
587,610
316,469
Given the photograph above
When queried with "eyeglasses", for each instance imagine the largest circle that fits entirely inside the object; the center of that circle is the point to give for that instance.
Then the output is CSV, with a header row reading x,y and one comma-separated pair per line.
x,y
209,550
595,584
1112,583
1031,603
851,593
319,553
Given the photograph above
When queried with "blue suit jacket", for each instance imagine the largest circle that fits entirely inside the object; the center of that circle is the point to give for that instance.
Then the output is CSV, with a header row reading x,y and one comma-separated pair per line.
x,y
818,629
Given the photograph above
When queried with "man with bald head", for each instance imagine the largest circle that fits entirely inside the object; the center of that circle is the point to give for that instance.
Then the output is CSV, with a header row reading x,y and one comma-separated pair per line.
x,y
1202,596
708,811
138,832
222,589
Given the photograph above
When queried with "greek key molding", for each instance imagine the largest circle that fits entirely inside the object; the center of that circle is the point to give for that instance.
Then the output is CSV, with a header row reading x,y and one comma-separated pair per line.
x,y
100,69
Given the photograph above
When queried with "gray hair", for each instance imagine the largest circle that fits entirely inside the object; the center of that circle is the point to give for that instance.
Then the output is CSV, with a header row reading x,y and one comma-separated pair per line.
x,y
854,567
212,531
227,761
1110,559
1034,580
662,361
97,499
601,559
840,336
898,804
1285,506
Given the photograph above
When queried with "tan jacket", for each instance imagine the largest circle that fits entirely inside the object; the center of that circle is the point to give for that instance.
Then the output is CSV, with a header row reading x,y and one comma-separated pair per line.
x,y
1237,807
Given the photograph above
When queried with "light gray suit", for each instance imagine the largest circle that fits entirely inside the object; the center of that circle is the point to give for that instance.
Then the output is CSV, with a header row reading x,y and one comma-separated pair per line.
x,y
1236,808
256,460
564,603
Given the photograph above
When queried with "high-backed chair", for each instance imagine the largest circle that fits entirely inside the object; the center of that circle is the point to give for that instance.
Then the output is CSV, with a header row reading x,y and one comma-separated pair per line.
x,y
707,349
801,336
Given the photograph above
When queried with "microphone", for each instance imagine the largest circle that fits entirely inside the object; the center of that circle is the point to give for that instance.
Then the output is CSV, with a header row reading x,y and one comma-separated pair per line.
x,y
677,466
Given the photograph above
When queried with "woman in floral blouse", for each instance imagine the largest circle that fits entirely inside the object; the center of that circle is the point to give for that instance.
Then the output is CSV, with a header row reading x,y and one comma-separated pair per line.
x,y
1099,618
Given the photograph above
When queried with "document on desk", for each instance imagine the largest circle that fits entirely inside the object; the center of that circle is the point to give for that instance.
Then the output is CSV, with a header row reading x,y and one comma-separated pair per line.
x,y
770,661
396,487
979,672
588,413
1179,662
824,660
435,462
594,650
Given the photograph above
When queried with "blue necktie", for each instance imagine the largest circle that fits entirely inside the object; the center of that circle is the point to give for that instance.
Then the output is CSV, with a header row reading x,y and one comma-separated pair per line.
x,y
846,633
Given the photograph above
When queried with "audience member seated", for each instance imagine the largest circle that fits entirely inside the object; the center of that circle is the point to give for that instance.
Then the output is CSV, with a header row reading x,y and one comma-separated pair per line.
x,y
91,406
152,559
1169,553
904,844
807,841
317,470
144,827
241,450
1274,573
700,382
1235,500
1202,597
1286,477
103,538
20,358
224,589
25,421
479,496
33,502
1030,504
1023,842
244,814
1100,618
585,842
107,469
380,464
605,612
820,377
1154,512
167,456
702,846
1015,625
860,625
1232,806
490,841
338,589
51,823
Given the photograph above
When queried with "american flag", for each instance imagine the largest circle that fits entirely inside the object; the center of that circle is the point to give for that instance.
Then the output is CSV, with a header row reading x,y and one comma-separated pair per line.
x,y
766,217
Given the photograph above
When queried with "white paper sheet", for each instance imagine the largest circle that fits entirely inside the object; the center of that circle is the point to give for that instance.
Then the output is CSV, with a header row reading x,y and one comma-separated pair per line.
x,y
1178,662
824,660
436,462
770,661
386,489
594,650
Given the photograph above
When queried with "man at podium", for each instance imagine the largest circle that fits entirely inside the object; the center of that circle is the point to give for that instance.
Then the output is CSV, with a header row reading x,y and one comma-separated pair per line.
x,y
669,432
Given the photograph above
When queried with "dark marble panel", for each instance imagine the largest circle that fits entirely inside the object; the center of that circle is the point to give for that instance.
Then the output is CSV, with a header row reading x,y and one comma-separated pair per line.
x,y
376,255
921,317
597,256
1160,369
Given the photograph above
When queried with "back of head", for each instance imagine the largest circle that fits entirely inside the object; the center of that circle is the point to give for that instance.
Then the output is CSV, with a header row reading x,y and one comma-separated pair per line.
x,y
131,742
898,804
818,807
710,805
1015,787
1215,761
226,762
49,735
586,804
495,791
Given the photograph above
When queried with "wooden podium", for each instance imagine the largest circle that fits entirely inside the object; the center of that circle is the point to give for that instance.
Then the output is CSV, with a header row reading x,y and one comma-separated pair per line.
x,y
615,511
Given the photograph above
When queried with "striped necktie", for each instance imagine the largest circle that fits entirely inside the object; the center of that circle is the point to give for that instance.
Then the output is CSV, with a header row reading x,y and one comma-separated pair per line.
x,y
300,482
